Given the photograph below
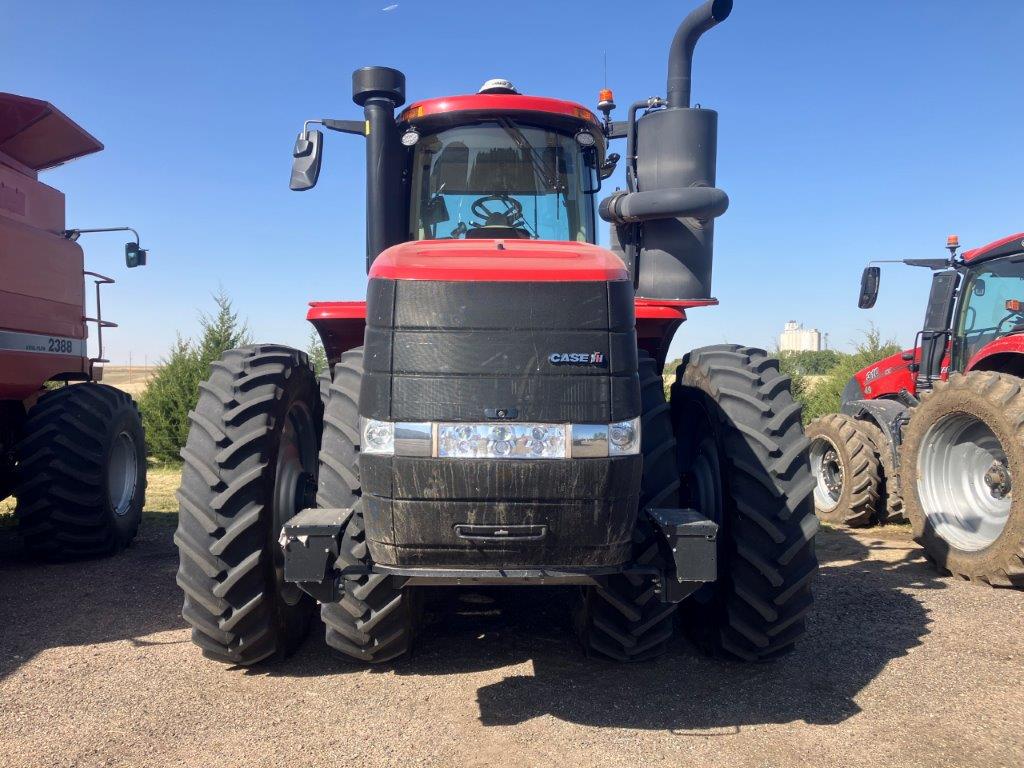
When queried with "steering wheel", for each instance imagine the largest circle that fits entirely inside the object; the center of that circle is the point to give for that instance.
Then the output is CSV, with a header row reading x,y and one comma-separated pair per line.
x,y
513,208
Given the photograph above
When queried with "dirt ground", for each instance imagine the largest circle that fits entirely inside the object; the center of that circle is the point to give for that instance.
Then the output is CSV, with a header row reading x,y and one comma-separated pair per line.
x,y
900,668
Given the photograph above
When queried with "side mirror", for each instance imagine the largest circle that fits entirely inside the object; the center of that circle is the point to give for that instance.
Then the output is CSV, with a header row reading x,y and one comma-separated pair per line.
x,y
134,256
306,158
608,166
869,287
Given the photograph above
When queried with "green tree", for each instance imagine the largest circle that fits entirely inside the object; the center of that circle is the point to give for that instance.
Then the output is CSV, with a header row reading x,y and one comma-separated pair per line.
x,y
317,353
810,363
824,395
174,390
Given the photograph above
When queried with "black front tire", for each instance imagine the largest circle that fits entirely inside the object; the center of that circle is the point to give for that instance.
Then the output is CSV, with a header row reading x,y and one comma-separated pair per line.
x,y
744,462
623,618
250,464
889,489
375,617
80,473
836,439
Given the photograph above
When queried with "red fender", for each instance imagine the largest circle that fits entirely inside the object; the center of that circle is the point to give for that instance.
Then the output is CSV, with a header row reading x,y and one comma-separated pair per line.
x,y
1005,354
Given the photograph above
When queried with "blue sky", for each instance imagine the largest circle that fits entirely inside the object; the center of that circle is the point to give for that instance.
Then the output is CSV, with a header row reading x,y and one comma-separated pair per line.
x,y
848,131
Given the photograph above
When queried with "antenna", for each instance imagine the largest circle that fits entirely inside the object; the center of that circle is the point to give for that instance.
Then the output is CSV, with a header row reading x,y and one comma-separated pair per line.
x,y
605,53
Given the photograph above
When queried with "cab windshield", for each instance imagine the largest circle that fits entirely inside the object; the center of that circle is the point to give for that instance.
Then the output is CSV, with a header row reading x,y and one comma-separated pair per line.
x,y
502,179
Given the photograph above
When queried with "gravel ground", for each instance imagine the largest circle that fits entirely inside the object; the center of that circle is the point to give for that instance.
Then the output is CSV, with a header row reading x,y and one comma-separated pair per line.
x,y
900,667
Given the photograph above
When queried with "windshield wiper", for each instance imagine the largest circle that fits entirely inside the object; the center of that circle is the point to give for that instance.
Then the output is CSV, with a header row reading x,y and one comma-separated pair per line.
x,y
538,162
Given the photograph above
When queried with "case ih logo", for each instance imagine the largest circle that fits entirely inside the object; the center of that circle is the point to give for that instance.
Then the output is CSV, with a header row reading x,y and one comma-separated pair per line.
x,y
576,358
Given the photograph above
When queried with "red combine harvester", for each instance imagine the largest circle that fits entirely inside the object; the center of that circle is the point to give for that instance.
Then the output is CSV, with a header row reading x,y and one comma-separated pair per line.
x,y
73,456
496,413
936,433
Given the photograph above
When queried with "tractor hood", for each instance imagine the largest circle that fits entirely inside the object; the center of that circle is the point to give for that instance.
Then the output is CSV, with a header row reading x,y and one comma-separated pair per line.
x,y
498,261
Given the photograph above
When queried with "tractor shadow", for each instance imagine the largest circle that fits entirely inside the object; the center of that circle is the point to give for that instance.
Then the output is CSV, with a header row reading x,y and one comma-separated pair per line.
x,y
866,615
125,597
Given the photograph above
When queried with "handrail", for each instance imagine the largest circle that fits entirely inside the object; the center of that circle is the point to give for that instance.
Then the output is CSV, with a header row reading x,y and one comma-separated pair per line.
x,y
100,322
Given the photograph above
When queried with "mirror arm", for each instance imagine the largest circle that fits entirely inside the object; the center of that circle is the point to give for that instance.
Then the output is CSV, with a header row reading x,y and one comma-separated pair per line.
x,y
72,234
355,127
930,263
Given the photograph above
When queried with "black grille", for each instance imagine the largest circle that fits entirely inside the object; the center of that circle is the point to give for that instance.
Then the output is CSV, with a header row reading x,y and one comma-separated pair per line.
x,y
453,350
456,351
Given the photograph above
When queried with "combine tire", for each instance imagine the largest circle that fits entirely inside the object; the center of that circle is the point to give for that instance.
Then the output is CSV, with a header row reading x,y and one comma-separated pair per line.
x,y
963,452
889,489
846,470
373,621
250,465
744,460
623,619
80,473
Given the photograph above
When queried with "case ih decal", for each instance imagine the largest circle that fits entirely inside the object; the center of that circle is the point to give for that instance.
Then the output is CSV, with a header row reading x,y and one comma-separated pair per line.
x,y
576,358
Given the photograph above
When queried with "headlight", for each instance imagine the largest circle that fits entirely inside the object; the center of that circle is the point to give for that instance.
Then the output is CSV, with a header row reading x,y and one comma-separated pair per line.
x,y
500,440
378,437
624,438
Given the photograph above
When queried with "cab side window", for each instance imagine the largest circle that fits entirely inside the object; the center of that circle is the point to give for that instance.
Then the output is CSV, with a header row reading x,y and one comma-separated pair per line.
x,y
986,314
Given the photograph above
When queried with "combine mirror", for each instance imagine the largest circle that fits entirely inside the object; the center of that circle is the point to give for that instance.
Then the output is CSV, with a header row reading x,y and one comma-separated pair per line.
x,y
869,287
134,256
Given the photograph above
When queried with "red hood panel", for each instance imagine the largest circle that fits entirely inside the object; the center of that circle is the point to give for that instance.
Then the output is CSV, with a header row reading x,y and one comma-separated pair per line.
x,y
498,261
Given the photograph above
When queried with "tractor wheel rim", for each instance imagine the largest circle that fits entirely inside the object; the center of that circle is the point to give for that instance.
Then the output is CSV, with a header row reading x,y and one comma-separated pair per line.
x,y
296,467
122,473
964,482
828,474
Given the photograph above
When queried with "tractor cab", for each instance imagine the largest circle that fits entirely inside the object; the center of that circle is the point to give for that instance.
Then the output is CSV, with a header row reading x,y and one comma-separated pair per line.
x,y
976,301
500,165
991,300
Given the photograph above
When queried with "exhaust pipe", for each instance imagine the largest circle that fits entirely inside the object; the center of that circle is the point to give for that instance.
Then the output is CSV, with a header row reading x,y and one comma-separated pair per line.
x,y
680,58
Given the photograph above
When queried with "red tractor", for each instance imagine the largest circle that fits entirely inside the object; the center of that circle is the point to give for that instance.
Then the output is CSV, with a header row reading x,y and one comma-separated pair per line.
x,y
73,456
936,433
496,413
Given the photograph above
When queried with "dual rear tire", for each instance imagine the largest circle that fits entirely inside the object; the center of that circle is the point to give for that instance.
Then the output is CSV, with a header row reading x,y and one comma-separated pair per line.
x,y
250,463
730,445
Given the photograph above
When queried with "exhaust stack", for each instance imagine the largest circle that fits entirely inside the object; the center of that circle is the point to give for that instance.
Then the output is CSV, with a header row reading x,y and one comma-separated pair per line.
x,y
663,226
680,57
380,91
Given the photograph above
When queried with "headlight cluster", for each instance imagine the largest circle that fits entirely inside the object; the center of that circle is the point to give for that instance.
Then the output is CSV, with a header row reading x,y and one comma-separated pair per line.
x,y
500,440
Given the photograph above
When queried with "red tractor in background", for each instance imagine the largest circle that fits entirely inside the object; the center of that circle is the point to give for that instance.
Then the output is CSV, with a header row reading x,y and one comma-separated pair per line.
x,y
496,413
935,434
74,457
